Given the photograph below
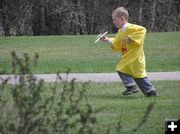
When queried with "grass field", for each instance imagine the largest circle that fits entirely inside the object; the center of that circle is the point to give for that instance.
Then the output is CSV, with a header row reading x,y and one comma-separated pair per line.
x,y
110,106
58,53
80,54
108,99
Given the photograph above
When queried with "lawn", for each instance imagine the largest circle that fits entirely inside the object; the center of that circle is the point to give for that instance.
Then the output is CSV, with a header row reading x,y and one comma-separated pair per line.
x,y
58,53
80,54
110,106
108,99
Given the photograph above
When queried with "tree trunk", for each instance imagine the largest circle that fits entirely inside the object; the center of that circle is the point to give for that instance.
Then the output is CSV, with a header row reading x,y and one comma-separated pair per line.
x,y
140,11
42,17
153,15
6,26
39,17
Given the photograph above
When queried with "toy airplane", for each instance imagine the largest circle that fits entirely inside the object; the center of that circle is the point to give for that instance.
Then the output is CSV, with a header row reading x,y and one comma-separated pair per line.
x,y
100,36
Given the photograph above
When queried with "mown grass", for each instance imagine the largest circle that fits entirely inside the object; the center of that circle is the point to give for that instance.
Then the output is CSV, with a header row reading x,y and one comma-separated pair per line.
x,y
111,104
162,51
80,54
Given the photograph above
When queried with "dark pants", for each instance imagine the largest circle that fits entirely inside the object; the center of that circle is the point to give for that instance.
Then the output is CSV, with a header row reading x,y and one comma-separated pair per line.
x,y
144,83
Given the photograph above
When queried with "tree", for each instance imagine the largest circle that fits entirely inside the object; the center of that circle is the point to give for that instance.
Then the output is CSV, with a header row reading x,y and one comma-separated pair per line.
x,y
38,19
140,11
16,16
153,14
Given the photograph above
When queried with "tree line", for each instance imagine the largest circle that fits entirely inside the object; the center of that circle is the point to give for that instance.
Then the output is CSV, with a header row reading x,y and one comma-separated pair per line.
x,y
60,17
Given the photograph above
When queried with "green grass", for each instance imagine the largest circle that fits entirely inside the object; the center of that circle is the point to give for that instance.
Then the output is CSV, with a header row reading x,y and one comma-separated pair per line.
x,y
58,53
80,54
162,51
109,105
108,99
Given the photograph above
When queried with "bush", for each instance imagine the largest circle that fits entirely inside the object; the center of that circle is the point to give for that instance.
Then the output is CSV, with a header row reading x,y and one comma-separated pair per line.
x,y
26,108
30,106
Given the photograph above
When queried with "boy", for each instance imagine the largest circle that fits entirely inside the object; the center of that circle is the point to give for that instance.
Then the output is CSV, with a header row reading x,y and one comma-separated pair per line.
x,y
129,41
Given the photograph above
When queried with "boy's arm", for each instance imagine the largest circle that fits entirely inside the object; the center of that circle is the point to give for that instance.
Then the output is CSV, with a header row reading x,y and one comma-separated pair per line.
x,y
137,35
115,43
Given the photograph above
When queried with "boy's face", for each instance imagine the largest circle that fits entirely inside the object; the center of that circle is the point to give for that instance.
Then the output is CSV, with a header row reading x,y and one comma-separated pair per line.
x,y
118,21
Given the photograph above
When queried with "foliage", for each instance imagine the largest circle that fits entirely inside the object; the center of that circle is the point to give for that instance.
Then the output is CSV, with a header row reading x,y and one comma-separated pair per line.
x,y
32,113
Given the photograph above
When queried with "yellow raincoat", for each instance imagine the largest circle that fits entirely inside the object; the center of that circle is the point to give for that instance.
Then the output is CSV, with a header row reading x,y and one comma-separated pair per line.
x,y
132,61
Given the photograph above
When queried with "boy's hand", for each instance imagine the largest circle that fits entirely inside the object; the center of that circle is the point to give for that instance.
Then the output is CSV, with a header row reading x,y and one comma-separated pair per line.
x,y
104,39
126,40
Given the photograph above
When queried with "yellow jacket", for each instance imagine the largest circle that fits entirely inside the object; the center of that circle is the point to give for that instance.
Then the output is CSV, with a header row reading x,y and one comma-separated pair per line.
x,y
132,61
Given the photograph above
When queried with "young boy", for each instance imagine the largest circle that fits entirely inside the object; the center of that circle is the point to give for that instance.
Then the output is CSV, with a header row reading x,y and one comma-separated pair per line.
x,y
130,42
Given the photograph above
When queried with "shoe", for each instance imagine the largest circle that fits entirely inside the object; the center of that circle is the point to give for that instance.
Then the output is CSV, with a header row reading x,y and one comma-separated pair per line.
x,y
130,90
152,93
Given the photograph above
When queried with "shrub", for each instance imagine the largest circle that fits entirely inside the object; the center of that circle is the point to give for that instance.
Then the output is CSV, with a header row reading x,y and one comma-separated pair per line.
x,y
31,106
26,108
